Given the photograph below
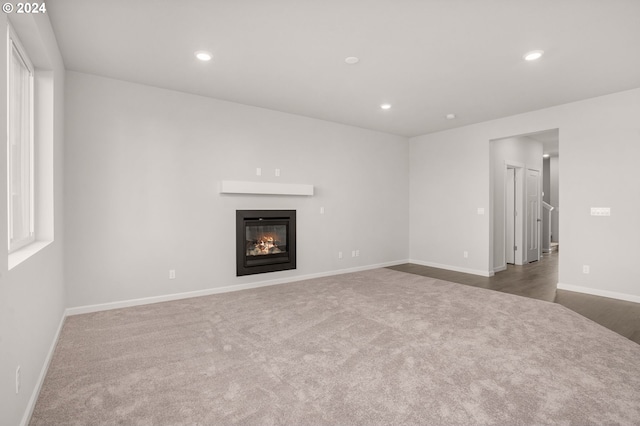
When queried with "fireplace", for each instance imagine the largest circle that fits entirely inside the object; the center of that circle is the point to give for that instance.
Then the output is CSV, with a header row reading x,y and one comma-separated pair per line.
x,y
265,241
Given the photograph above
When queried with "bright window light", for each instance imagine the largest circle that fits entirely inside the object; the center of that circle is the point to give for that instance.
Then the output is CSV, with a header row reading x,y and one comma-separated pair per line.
x,y
20,158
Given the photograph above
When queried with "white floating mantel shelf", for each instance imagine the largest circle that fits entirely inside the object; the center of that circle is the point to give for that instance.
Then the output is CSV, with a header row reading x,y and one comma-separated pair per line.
x,y
264,188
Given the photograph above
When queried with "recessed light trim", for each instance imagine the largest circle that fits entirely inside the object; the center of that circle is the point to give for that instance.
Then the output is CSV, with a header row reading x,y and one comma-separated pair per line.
x,y
203,55
545,156
450,116
533,55
351,60
385,106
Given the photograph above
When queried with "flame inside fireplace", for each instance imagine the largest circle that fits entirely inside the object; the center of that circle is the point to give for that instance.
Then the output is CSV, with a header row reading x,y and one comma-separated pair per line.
x,y
265,243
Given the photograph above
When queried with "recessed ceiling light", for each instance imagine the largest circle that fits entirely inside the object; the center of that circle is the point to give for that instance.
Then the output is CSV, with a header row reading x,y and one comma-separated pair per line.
x,y
533,55
203,55
545,156
450,116
351,60
385,106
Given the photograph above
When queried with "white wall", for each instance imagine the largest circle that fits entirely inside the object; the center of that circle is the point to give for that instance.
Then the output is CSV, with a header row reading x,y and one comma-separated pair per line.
x,y
521,150
143,166
600,146
449,182
554,198
32,295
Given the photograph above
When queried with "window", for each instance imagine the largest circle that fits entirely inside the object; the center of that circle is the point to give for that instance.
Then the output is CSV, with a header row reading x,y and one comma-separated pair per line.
x,y
20,153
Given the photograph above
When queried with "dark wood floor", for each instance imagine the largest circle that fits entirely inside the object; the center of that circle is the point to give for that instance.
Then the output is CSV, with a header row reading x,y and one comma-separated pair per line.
x,y
538,280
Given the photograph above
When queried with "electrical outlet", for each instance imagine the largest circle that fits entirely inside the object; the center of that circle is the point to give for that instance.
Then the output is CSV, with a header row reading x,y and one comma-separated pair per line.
x,y
339,255
321,210
172,274
357,253
585,269
18,380
465,254
277,172
258,171
353,253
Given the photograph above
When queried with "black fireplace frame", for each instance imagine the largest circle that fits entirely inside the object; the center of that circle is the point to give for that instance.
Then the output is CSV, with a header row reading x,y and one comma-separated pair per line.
x,y
266,263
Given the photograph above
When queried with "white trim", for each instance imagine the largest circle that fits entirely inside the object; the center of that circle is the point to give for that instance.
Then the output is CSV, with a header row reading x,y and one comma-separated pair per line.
x,y
514,164
520,210
216,290
24,253
264,188
500,268
601,293
26,417
538,219
453,268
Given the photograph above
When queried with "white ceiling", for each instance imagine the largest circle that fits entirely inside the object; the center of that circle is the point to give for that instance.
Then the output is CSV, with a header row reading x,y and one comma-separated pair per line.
x,y
427,58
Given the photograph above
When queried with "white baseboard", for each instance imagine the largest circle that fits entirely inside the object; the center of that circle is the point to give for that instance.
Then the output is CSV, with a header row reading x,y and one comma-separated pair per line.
x,y
43,373
601,293
453,268
500,268
216,290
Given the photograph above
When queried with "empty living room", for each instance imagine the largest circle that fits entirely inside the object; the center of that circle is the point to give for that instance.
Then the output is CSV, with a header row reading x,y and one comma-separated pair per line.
x,y
288,212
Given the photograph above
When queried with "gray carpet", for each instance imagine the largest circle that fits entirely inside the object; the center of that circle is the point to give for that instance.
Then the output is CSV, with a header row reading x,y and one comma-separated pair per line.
x,y
374,347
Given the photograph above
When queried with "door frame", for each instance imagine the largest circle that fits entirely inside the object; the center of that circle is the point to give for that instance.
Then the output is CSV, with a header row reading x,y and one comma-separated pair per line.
x,y
538,231
519,231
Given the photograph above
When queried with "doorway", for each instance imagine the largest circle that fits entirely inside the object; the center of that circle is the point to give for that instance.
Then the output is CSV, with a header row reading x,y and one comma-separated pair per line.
x,y
518,182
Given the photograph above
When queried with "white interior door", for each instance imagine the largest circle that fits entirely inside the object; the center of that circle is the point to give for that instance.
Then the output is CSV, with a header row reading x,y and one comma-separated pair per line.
x,y
510,212
533,215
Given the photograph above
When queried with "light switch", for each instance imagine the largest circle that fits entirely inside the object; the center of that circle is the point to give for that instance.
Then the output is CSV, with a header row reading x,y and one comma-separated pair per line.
x,y
600,211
